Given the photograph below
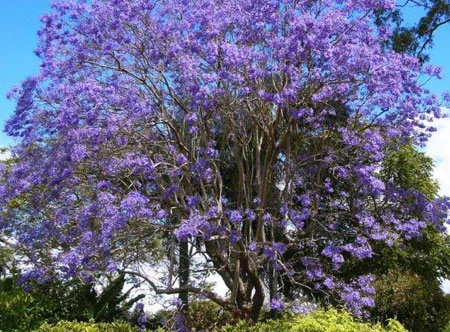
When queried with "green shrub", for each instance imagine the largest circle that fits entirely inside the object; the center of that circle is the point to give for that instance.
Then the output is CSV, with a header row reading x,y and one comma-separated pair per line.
x,y
57,300
206,316
64,326
201,316
320,321
446,328
419,304
19,311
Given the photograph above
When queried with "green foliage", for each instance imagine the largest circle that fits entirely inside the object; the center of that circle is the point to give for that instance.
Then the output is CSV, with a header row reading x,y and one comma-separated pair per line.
x,y
320,321
410,169
55,301
22,310
429,255
6,255
65,326
201,316
409,277
447,327
418,303
207,315
415,39
107,306
19,311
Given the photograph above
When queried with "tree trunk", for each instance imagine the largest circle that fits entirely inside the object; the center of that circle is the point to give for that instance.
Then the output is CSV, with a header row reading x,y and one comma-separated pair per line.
x,y
273,288
183,271
258,297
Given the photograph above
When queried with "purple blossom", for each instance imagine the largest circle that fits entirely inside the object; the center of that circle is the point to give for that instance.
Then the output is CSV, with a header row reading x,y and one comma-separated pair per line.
x,y
330,251
142,318
234,237
101,185
253,246
256,201
359,249
177,302
269,252
192,201
78,153
195,225
161,214
135,204
181,159
313,268
304,308
235,216
329,283
277,305
301,113
305,200
250,214
267,217
279,247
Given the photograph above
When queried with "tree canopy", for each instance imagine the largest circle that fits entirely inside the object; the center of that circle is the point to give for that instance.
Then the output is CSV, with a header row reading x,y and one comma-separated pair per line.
x,y
416,39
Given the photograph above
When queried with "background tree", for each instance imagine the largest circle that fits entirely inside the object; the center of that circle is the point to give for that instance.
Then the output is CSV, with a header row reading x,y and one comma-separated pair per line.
x,y
418,303
424,260
416,39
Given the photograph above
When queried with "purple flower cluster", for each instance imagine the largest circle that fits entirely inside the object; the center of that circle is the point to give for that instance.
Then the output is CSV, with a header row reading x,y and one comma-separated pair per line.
x,y
277,305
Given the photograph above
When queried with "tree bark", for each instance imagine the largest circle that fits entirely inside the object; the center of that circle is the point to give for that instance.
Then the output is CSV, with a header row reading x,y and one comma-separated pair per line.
x,y
258,297
183,266
273,288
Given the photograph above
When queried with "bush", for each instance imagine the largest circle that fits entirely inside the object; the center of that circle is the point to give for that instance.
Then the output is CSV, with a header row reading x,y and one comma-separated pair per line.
x,y
419,304
447,328
58,300
19,311
320,321
65,326
201,316
206,316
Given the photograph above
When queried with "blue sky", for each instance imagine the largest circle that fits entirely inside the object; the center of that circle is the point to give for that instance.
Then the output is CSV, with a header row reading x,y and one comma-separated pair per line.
x,y
19,23
439,54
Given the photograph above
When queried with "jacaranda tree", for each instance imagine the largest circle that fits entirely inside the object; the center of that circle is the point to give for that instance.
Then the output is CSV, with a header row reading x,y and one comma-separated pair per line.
x,y
246,135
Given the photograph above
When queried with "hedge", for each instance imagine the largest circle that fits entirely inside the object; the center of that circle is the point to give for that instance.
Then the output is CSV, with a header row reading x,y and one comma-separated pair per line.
x,y
319,321
64,326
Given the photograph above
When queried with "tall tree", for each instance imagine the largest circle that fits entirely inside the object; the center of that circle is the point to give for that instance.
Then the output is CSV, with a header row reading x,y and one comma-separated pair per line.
x,y
417,37
254,130
409,280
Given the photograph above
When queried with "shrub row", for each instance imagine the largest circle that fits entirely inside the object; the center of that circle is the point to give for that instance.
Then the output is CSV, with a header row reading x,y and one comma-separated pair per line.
x,y
320,321
64,326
